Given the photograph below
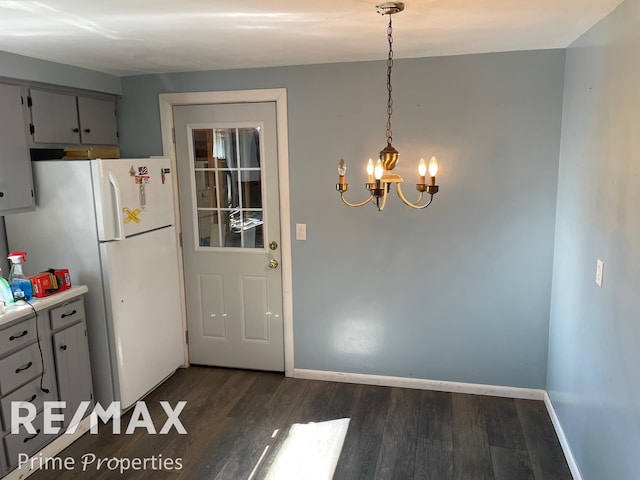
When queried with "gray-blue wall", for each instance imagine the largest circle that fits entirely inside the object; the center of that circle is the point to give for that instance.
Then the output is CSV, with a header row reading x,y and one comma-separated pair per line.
x,y
36,70
458,292
594,358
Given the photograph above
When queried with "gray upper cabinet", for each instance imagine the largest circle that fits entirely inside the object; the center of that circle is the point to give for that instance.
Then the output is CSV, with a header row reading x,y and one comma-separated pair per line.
x,y
68,119
54,117
16,188
97,121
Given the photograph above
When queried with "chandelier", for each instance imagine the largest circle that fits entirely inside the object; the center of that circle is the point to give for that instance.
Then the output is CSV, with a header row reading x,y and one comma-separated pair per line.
x,y
380,178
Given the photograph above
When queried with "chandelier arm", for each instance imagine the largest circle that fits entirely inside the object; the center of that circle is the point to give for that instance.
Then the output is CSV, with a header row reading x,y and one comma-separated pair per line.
x,y
385,186
355,204
415,205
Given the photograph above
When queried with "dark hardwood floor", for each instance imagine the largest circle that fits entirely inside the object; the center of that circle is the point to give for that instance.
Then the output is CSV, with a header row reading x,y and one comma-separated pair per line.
x,y
231,417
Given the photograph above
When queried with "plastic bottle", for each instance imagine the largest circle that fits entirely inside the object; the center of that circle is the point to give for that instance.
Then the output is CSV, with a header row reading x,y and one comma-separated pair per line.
x,y
20,285
5,290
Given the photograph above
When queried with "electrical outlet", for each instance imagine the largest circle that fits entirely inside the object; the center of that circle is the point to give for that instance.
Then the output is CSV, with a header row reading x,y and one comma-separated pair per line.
x,y
599,269
301,231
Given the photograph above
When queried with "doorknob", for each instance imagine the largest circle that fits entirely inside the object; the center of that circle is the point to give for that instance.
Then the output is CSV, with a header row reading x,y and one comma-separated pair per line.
x,y
273,263
273,245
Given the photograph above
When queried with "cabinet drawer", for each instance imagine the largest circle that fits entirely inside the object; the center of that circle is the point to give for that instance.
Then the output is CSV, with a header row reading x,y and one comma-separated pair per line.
x,y
25,442
67,314
32,393
18,368
17,335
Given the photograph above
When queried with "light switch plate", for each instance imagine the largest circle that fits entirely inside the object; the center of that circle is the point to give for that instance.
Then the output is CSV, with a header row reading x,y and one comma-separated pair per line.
x,y
599,269
301,231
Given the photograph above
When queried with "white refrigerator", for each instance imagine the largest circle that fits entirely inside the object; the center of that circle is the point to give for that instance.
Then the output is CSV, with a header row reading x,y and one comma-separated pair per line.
x,y
112,224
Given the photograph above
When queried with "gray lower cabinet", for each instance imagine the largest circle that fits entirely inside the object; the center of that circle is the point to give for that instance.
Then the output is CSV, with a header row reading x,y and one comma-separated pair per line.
x,y
71,354
42,358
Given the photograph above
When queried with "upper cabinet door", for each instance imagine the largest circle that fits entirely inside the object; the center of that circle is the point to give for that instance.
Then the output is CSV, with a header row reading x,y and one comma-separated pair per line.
x,y
54,117
98,124
16,190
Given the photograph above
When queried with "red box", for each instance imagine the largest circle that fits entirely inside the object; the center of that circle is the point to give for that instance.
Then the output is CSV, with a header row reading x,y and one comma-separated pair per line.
x,y
50,282
64,279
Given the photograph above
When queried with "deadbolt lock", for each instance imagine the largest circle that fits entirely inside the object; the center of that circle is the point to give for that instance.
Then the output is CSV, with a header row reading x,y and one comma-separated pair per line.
x,y
273,263
273,245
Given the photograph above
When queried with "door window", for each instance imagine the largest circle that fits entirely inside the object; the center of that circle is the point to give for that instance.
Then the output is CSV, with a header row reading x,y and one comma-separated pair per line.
x,y
228,187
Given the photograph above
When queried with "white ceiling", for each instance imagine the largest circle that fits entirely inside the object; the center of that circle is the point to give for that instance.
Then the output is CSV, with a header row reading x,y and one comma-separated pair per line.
x,y
126,37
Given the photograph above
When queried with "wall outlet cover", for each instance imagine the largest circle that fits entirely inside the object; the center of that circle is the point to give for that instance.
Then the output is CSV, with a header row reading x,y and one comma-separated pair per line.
x,y
599,269
301,231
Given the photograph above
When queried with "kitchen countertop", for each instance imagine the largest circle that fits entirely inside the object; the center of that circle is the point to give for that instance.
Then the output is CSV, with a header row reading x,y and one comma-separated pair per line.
x,y
15,312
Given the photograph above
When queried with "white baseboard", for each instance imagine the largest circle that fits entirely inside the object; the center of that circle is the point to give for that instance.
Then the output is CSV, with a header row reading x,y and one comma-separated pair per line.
x,y
51,450
568,454
422,384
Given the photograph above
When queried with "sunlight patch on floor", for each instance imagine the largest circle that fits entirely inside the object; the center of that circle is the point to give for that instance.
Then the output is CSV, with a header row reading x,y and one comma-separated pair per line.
x,y
310,452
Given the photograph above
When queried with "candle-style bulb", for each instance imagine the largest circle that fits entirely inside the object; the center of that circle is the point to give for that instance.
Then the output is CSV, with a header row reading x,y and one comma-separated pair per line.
x,y
342,167
422,167
433,167
370,171
370,167
379,170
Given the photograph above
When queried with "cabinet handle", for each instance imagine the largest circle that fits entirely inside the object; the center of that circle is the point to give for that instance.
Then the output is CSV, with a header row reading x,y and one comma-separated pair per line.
x,y
27,366
68,314
33,397
15,337
87,130
63,347
76,130
32,436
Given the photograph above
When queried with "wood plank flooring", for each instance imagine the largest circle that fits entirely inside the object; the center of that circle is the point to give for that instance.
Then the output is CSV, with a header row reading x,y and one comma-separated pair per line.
x,y
232,416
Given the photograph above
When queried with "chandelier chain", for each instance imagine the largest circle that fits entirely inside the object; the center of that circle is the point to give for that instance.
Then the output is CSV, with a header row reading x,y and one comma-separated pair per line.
x,y
389,67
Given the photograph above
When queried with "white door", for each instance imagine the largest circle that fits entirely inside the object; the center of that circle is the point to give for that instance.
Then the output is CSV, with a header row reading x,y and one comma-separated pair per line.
x,y
228,189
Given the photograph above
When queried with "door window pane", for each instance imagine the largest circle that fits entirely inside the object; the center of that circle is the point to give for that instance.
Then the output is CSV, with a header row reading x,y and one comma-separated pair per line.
x,y
253,230
249,144
251,189
208,228
228,178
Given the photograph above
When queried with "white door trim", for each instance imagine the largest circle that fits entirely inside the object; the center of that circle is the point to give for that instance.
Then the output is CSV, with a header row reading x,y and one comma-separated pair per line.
x,y
279,96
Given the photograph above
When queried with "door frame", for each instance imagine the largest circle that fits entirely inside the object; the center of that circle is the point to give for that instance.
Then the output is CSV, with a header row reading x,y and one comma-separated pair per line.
x,y
279,96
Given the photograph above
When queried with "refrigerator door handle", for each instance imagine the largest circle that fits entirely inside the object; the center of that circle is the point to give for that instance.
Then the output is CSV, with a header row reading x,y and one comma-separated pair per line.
x,y
118,213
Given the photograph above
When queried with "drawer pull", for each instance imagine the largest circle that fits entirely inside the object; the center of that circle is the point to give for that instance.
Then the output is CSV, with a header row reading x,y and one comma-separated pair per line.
x,y
32,436
33,397
63,347
68,314
27,366
15,337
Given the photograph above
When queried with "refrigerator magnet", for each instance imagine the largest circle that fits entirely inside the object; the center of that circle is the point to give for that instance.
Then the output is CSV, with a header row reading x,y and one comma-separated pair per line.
x,y
143,196
131,216
163,173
